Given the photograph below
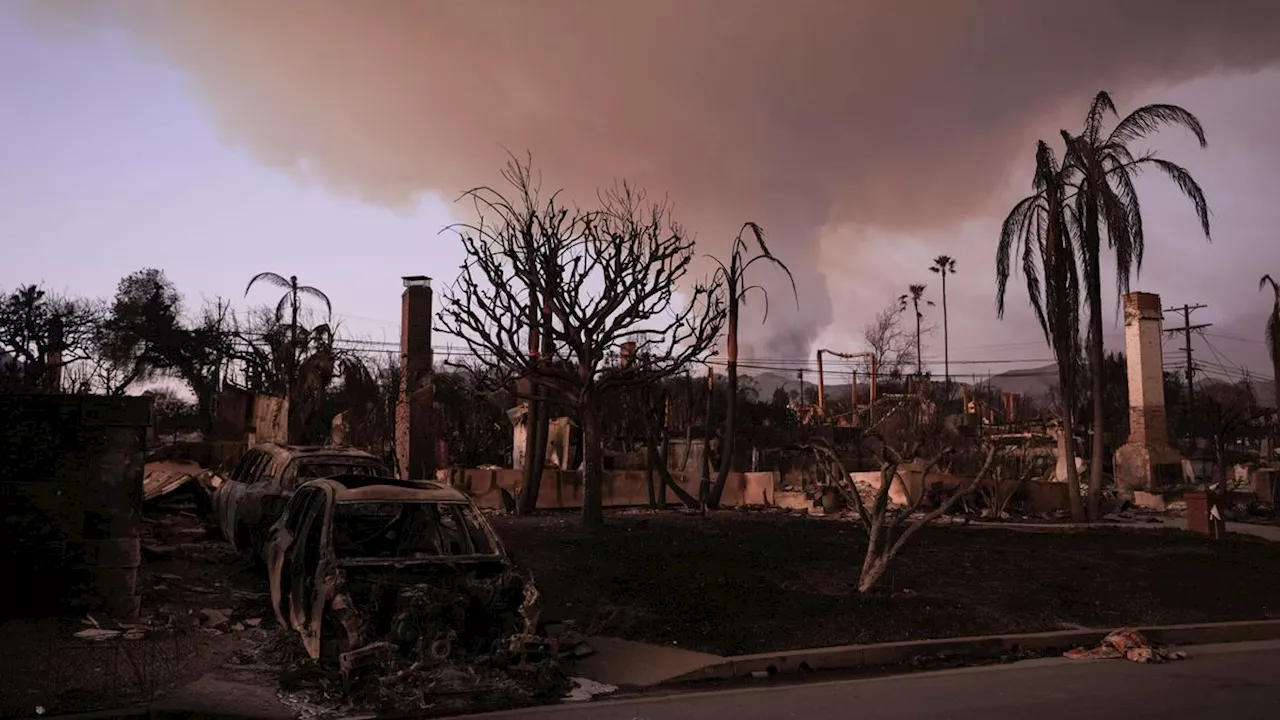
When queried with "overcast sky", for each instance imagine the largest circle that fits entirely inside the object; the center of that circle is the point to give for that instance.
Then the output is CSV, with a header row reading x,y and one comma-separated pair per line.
x,y
220,139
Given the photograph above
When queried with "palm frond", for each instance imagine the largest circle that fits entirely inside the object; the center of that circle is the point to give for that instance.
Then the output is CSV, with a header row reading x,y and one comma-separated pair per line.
x,y
1189,187
1150,118
315,293
282,307
1011,231
758,233
1098,109
1273,336
267,277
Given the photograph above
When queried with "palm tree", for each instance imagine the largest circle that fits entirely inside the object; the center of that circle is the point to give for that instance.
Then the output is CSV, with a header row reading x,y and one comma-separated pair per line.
x,y
914,295
1104,168
945,265
1273,338
291,300
1039,229
734,277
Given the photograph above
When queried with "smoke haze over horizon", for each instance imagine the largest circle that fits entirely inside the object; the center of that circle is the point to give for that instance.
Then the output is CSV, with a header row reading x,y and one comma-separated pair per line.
x,y
866,137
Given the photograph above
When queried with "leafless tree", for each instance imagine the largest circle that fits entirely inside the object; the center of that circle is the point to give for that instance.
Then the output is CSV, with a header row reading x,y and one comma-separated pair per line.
x,y
884,524
734,277
604,275
41,334
891,343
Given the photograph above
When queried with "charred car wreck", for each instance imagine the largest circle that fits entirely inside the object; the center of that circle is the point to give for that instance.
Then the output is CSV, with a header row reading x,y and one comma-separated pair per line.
x,y
366,568
247,501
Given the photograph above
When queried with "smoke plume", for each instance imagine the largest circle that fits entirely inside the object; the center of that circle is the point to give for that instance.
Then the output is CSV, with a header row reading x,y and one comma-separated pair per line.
x,y
897,117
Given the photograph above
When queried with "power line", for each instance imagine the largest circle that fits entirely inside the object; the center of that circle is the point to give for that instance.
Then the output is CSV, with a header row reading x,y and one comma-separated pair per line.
x,y
1186,330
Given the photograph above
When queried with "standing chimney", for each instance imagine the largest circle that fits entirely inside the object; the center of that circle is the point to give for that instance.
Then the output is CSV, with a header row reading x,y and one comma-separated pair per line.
x,y
53,358
1147,461
627,354
415,427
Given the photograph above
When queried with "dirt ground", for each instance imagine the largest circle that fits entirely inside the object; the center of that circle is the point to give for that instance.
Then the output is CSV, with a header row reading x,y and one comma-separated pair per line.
x,y
753,582
733,583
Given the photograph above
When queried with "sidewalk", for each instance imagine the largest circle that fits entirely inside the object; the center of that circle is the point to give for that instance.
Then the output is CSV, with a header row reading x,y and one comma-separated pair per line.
x,y
1266,532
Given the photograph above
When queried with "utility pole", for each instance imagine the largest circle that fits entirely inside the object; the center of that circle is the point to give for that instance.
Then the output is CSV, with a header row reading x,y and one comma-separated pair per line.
x,y
1186,331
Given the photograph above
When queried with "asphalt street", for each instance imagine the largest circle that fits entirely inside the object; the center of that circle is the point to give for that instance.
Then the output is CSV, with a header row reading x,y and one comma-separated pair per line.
x,y
1225,681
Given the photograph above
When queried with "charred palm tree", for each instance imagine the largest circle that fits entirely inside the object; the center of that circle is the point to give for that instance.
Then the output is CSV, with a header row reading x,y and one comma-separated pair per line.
x,y
1104,167
914,295
945,265
1273,338
734,278
1039,229
292,301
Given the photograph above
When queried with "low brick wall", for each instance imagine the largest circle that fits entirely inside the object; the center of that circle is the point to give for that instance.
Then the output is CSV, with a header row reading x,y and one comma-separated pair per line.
x,y
562,489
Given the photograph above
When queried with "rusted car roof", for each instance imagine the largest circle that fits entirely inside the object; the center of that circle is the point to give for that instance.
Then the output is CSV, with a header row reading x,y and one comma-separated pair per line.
x,y
366,488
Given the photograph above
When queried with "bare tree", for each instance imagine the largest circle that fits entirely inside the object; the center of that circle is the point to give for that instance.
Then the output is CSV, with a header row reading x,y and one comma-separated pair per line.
x,y
882,523
42,334
605,275
734,277
891,344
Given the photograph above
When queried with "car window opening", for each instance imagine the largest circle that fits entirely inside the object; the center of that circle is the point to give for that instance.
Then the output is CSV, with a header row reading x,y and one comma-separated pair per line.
x,y
407,530
310,470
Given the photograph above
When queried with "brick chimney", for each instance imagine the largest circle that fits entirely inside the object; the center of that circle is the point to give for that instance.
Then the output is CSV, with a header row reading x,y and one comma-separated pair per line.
x,y
1147,461
626,354
415,421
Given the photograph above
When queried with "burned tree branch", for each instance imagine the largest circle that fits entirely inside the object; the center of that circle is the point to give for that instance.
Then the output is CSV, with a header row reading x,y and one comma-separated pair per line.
x,y
605,275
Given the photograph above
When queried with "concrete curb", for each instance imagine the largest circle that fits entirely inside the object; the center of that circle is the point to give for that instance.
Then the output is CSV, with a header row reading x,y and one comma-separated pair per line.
x,y
846,657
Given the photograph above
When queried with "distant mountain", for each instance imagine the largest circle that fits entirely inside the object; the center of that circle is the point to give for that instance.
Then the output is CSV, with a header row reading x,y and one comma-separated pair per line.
x,y
1037,382
1031,382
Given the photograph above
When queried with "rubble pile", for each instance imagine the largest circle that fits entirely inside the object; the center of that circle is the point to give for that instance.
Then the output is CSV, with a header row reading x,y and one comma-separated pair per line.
x,y
444,646
1128,644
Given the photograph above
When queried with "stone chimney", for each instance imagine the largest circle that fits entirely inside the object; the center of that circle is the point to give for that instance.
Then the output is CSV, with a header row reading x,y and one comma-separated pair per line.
x,y
415,421
1146,462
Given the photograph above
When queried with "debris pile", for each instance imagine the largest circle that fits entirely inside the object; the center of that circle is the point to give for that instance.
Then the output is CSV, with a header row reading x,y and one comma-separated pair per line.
x,y
439,646
1128,644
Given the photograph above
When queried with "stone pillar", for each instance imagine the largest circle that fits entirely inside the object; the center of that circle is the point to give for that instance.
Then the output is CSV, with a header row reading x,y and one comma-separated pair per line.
x,y
415,427
1146,461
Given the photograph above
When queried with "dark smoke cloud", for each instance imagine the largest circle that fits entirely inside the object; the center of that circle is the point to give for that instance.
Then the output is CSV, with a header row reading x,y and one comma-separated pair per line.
x,y
898,116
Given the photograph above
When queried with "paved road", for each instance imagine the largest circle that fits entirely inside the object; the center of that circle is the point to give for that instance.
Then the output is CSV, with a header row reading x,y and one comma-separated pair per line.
x,y
1227,681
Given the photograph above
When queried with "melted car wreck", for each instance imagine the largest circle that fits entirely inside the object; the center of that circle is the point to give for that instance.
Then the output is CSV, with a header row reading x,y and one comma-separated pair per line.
x,y
364,568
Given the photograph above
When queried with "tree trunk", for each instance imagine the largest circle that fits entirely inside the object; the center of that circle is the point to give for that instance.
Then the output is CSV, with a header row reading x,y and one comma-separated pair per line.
x,y
293,337
1069,450
535,452
730,414
646,401
1275,373
593,466
946,340
872,570
919,357
669,482
704,483
1097,379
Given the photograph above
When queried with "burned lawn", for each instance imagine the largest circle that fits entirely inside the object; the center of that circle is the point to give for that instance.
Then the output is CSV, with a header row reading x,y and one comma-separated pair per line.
x,y
742,583
199,603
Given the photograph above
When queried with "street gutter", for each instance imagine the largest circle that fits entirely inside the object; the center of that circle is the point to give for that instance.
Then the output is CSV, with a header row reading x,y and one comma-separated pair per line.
x,y
880,655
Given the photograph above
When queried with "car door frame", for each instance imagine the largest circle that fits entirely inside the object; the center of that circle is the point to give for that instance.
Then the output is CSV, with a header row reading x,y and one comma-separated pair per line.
x,y
279,545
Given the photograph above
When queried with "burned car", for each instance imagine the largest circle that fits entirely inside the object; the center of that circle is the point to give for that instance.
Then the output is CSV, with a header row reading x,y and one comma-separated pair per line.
x,y
245,503
411,568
